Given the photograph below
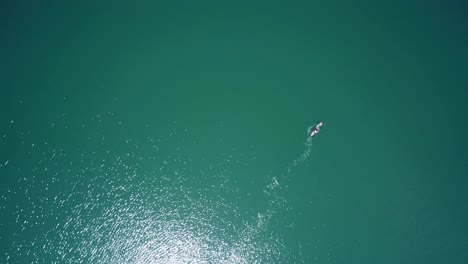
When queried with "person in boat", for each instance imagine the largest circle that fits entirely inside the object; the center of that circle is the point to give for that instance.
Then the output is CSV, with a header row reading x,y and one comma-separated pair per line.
x,y
316,129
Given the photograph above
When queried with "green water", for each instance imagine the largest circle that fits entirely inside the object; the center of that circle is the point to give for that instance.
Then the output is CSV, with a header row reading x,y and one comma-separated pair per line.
x,y
176,132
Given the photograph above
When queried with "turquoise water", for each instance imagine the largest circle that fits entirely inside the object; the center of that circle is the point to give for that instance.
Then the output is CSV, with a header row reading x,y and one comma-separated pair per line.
x,y
177,133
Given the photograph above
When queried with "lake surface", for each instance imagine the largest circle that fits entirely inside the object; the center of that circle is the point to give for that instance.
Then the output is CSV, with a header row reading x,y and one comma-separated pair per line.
x,y
177,133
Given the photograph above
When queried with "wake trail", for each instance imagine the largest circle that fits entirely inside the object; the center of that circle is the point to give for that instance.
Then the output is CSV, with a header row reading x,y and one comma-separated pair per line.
x,y
272,217
305,154
274,185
